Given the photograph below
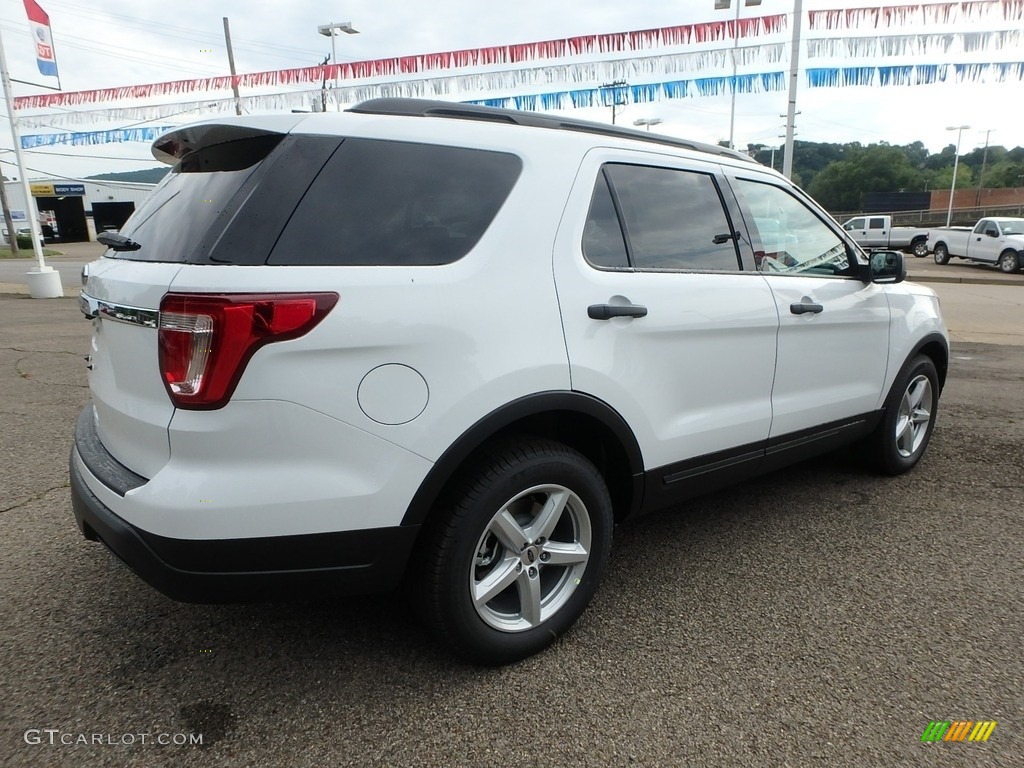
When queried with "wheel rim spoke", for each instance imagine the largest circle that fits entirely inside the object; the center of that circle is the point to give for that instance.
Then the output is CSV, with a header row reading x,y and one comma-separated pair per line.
x,y
529,598
565,553
508,531
549,515
495,582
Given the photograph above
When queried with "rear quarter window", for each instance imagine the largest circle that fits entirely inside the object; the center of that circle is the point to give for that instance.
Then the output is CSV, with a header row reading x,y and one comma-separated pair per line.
x,y
388,203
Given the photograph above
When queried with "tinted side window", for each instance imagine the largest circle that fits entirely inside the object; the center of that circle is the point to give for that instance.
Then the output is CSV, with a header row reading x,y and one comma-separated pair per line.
x,y
603,245
792,239
673,219
396,204
876,224
980,227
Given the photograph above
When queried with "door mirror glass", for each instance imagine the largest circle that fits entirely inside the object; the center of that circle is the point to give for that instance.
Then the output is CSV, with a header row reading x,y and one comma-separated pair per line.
x,y
992,232
887,267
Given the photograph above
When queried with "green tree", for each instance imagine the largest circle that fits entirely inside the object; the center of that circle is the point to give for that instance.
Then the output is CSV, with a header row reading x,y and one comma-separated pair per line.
x,y
964,177
1005,173
841,185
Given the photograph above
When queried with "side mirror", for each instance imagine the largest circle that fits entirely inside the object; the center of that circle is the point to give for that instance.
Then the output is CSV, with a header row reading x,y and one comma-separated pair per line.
x,y
886,267
991,233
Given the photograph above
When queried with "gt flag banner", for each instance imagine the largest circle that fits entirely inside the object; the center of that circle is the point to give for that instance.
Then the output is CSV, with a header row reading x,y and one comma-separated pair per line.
x,y
40,24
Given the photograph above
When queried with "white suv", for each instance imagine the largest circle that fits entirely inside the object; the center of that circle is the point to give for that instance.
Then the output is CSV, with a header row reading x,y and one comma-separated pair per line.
x,y
458,344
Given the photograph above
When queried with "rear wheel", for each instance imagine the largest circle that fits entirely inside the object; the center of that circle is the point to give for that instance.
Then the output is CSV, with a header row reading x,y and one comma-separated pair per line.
x,y
941,254
1009,262
920,248
901,439
513,556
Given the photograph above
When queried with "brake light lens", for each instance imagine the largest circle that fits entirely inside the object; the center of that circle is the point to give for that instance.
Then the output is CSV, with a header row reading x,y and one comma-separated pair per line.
x,y
206,340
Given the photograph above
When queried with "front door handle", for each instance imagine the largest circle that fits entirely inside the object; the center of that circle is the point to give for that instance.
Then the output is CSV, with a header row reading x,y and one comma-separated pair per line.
x,y
608,311
802,308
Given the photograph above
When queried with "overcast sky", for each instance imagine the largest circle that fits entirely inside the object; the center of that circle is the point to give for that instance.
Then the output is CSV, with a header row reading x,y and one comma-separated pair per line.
x,y
104,43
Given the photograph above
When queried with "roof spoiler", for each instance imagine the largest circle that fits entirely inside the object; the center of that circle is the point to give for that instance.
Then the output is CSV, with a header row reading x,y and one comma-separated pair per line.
x,y
177,143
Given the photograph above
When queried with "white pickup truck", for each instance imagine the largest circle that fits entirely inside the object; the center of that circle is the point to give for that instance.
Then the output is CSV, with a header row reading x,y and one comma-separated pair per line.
x,y
990,241
876,231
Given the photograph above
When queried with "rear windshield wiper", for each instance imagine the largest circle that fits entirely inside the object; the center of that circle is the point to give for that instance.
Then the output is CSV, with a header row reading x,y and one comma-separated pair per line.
x,y
117,241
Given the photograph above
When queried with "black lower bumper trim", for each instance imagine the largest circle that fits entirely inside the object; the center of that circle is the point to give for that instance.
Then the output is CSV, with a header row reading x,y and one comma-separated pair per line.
x,y
237,570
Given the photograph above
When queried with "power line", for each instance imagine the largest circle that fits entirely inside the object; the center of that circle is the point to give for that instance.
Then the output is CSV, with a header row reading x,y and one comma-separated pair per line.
x,y
186,33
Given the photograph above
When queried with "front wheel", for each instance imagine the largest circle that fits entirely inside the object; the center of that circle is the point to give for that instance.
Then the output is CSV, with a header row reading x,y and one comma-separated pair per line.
x,y
901,438
941,254
514,554
920,248
1009,262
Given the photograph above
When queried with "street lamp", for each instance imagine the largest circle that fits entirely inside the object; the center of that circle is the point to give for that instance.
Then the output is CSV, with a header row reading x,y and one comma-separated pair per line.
x,y
648,122
956,162
330,30
723,5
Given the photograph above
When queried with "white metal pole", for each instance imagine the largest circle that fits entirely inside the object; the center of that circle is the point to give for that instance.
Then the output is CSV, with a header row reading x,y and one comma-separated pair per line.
x,y
956,163
30,206
794,68
735,50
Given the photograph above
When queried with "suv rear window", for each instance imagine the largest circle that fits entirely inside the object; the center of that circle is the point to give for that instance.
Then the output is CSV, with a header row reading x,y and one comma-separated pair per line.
x,y
389,203
178,214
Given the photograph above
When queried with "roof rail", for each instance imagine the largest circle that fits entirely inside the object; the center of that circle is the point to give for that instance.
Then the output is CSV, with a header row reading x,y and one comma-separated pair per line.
x,y
455,110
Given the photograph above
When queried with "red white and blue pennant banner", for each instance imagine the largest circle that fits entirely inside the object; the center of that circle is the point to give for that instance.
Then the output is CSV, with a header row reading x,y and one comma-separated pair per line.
x,y
620,42
572,83
917,14
39,22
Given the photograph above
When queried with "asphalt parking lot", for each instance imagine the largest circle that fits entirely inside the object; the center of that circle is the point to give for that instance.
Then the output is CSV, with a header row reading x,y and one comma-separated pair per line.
x,y
819,616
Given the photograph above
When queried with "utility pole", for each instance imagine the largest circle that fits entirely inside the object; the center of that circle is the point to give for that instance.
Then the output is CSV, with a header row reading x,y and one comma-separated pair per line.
x,y
984,161
615,102
323,85
231,63
794,69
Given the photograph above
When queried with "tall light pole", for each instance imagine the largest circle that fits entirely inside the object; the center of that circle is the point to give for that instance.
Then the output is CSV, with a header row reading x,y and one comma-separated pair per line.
x,y
331,30
956,164
723,5
648,122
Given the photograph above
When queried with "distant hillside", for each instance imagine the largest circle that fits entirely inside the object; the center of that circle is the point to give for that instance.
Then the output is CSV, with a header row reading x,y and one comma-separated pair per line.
x,y
148,176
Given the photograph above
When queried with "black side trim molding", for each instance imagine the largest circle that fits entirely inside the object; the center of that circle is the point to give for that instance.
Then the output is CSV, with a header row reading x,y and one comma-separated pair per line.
x,y
99,461
674,483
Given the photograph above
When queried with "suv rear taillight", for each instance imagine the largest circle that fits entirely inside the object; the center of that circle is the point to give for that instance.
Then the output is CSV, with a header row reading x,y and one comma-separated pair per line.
x,y
206,339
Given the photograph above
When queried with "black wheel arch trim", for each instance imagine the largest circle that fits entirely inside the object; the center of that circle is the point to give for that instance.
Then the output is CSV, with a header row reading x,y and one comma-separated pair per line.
x,y
509,414
941,366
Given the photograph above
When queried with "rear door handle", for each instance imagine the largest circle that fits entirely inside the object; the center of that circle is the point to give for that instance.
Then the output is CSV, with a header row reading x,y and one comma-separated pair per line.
x,y
608,311
801,308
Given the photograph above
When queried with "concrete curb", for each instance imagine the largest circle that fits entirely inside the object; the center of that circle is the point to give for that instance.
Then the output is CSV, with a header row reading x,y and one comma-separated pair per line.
x,y
963,280
21,289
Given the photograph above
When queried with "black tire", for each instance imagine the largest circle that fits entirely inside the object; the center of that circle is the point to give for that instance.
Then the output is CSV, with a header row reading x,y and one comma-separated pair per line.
x,y
1009,262
941,254
919,249
465,547
902,437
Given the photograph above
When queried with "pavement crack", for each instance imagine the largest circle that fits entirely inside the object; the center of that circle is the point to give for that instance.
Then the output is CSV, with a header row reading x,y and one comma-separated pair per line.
x,y
37,497
42,351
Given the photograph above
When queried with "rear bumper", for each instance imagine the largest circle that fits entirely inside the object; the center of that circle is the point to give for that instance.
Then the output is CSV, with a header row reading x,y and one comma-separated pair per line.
x,y
228,570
